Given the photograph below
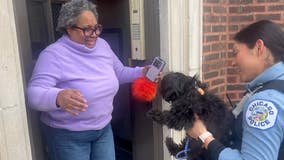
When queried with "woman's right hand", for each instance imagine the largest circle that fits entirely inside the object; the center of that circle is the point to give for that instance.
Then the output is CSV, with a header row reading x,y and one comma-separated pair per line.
x,y
197,129
72,101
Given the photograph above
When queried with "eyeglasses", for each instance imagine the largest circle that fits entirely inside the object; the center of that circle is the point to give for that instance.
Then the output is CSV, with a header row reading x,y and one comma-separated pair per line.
x,y
90,31
183,155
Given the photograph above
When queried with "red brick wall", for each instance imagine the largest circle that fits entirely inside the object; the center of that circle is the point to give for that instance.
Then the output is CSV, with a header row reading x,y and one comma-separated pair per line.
x,y
215,45
221,20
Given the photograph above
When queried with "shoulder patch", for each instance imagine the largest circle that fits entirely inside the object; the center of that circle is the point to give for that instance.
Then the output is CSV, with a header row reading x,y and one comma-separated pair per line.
x,y
261,114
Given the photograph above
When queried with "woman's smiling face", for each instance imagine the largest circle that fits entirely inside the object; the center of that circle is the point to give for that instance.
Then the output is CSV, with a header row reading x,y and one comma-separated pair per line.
x,y
86,31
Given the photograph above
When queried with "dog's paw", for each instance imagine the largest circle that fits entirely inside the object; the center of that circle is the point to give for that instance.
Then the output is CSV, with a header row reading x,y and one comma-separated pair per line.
x,y
156,116
173,148
174,122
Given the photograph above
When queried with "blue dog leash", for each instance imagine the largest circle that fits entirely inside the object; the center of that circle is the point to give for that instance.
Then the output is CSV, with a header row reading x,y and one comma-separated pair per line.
x,y
183,155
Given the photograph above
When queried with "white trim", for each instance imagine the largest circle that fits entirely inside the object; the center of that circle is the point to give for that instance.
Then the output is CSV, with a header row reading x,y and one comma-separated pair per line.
x,y
195,37
177,30
165,54
14,136
181,44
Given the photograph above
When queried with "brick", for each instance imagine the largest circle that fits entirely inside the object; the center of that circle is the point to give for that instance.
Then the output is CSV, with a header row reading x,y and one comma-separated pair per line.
x,y
233,28
215,65
232,95
206,48
231,36
231,54
218,81
241,18
276,8
215,1
219,28
219,9
246,9
205,67
214,90
229,63
206,29
222,89
267,1
210,18
212,1
223,37
240,1
268,16
221,95
231,71
223,19
232,79
210,75
212,38
235,87
223,55
230,45
207,9
223,71
211,57
218,46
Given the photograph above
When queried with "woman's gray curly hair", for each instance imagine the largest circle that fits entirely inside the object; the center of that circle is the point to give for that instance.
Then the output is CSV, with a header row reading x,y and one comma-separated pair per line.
x,y
70,11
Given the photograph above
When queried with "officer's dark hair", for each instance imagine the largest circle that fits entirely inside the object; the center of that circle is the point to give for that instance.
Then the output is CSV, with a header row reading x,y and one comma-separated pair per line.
x,y
270,33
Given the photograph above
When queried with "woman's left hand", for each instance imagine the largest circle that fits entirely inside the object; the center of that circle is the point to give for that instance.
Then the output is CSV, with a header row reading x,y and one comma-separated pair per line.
x,y
145,70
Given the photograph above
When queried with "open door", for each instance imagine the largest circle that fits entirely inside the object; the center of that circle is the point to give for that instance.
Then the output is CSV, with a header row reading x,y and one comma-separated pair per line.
x,y
133,131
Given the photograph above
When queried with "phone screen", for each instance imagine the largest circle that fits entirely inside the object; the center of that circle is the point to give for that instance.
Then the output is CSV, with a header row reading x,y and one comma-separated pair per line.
x,y
156,67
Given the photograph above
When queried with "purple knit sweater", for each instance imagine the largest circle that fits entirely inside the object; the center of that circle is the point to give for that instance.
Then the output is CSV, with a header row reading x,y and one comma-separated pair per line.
x,y
95,72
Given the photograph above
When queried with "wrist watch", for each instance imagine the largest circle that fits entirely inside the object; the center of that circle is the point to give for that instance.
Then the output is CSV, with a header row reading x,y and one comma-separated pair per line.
x,y
204,136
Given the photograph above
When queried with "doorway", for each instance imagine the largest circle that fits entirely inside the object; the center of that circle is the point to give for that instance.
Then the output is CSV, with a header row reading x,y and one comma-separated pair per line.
x,y
133,132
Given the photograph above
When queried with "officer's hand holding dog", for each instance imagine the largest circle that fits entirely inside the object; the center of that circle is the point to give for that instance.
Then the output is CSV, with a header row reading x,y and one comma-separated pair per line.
x,y
199,131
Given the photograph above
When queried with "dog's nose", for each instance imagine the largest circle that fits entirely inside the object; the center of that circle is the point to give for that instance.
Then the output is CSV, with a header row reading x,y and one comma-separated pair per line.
x,y
170,97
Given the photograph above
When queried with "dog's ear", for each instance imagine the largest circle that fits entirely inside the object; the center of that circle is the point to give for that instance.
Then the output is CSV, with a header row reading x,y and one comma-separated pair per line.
x,y
196,78
199,83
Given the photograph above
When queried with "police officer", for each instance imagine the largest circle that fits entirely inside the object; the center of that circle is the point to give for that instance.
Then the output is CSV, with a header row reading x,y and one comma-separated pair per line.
x,y
259,59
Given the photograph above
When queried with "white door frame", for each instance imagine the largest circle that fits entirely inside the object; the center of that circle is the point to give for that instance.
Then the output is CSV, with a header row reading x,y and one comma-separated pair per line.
x,y
181,44
14,136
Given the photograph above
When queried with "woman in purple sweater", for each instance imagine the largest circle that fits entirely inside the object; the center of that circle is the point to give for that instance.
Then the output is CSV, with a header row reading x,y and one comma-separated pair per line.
x,y
73,85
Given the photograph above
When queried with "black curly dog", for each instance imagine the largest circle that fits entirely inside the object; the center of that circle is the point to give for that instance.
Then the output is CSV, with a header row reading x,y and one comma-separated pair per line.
x,y
185,95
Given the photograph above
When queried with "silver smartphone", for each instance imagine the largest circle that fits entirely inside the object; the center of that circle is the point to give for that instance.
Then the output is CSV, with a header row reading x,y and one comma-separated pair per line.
x,y
156,67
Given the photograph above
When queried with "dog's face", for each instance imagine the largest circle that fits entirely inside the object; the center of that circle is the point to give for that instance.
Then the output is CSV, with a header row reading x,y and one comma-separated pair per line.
x,y
182,93
174,85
